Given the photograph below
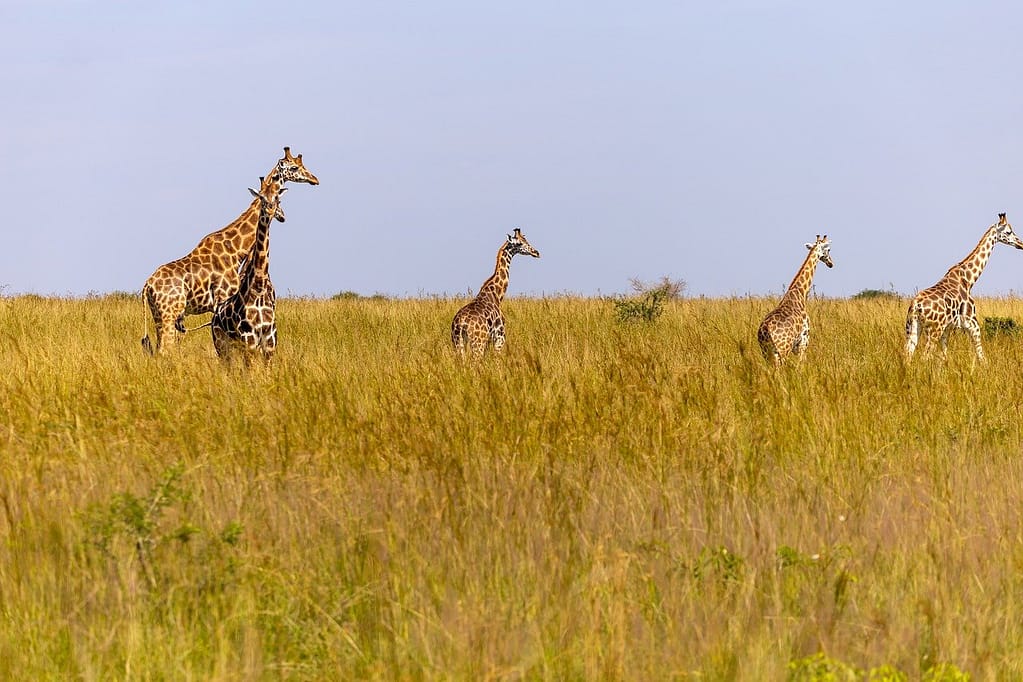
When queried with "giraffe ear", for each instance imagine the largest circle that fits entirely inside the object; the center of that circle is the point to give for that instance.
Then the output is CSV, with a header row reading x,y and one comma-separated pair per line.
x,y
809,247
254,192
281,193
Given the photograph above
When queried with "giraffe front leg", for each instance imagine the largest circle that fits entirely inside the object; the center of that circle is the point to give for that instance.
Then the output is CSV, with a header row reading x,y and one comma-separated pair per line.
x,y
802,341
270,344
972,328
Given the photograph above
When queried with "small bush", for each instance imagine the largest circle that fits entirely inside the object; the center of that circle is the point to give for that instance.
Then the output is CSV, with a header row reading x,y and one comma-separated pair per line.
x,y
996,326
945,672
650,305
671,289
869,294
821,668
356,296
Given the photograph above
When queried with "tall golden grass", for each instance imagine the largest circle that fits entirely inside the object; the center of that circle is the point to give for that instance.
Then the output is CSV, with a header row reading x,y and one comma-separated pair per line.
x,y
602,501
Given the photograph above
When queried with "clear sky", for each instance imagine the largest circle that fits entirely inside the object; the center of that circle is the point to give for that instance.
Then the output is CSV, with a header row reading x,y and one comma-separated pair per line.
x,y
705,141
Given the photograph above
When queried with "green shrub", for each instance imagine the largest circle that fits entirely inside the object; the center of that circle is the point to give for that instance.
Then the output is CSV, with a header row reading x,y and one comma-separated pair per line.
x,y
821,668
650,305
996,326
868,294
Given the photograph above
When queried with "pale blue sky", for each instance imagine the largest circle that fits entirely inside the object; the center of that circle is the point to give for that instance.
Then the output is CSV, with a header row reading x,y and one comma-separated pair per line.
x,y
706,141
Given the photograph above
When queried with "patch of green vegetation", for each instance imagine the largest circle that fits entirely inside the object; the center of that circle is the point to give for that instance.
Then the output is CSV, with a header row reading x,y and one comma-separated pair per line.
x,y
1001,326
649,305
872,294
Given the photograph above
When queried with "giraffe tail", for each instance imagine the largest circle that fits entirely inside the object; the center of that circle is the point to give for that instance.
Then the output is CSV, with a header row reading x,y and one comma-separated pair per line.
x,y
146,343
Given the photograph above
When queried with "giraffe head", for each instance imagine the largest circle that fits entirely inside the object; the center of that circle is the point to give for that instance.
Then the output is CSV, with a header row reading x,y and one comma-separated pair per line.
x,y
279,213
291,169
270,201
1004,233
517,243
822,247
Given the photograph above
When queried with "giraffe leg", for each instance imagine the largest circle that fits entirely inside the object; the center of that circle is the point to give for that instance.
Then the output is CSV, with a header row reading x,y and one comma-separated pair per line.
x,y
478,339
972,328
497,332
269,345
943,341
912,332
497,338
802,341
767,345
459,336
932,339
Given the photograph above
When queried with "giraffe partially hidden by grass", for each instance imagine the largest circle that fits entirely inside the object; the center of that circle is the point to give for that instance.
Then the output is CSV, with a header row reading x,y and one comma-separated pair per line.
x,y
786,329
197,282
246,322
480,322
937,310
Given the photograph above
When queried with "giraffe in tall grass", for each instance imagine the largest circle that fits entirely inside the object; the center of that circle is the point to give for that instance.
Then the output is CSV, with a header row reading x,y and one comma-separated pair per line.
x,y
480,322
948,305
786,329
196,282
246,323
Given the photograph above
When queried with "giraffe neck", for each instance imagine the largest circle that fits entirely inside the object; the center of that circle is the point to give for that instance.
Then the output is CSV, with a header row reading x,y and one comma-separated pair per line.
x,y
258,263
497,285
234,242
968,269
800,286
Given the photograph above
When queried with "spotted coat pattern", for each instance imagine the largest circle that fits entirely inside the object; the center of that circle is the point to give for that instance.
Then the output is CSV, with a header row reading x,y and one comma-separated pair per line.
x,y
480,323
245,323
195,283
786,329
937,310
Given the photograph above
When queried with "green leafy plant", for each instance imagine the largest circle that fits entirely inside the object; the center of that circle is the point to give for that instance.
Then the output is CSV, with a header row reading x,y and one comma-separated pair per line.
x,y
821,668
869,294
945,672
142,524
1001,326
649,305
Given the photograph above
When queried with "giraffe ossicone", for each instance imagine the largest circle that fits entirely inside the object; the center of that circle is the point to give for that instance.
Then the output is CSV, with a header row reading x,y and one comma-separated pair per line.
x,y
948,305
197,282
786,329
480,322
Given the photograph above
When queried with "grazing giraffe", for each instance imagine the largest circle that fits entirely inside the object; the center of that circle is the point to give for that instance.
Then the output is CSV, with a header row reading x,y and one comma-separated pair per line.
x,y
786,329
195,283
480,322
245,321
948,305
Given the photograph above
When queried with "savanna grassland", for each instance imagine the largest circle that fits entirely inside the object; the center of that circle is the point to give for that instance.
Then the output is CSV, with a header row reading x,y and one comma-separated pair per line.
x,y
631,501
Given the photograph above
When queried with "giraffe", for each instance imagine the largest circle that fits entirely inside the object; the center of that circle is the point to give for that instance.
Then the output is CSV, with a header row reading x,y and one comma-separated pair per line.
x,y
195,283
245,321
786,329
480,322
948,305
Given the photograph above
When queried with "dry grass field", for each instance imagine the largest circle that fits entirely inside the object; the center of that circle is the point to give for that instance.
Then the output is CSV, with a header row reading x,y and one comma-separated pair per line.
x,y
635,501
